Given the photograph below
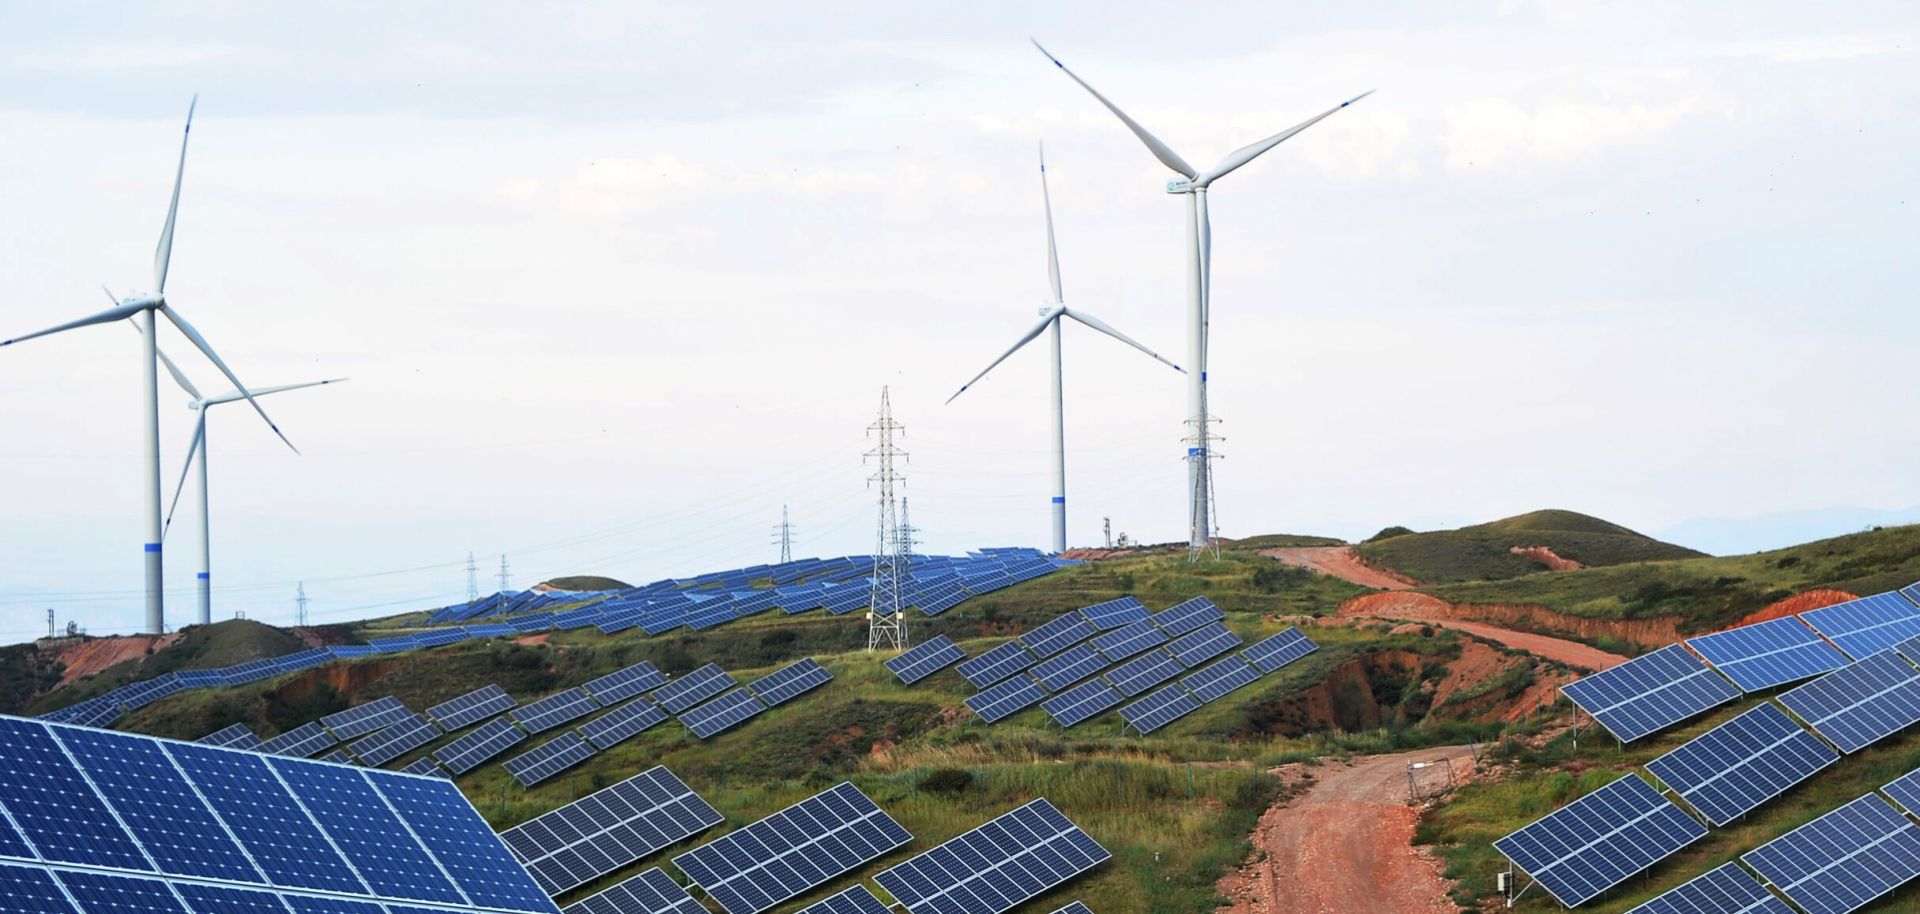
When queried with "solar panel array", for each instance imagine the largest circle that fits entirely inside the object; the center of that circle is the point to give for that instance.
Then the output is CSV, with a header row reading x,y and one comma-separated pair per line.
x,y
997,866
723,713
623,684
1768,654
1202,644
409,733
304,741
1186,616
1733,768
1068,667
1867,625
1650,692
1003,699
651,892
791,681
483,743
1162,707
1115,613
1596,842
1082,702
609,829
1057,634
1275,651
623,723
548,759
364,719
856,900
1725,889
120,823
1842,860
1857,705
554,710
996,664
235,736
472,708
693,688
783,855
1143,672
1130,639
925,659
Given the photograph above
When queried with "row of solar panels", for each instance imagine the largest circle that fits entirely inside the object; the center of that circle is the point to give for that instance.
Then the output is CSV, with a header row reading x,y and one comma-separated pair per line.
x,y
1721,774
991,869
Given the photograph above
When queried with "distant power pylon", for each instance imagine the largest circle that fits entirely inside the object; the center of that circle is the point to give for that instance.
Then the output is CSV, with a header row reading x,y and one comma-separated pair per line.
x,y
473,579
908,534
1106,527
300,604
886,624
783,535
503,574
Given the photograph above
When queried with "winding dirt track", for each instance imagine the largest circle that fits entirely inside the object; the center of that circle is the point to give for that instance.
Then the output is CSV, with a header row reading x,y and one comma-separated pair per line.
x,y
1343,563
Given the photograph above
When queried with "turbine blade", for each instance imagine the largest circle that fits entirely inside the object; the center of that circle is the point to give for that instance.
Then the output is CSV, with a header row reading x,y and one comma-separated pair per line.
x,y
1053,252
172,369
163,253
1160,150
201,342
1039,328
233,395
1107,329
199,432
116,313
1246,154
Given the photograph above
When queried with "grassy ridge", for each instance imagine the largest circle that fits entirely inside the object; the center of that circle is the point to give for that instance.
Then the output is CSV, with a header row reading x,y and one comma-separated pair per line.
x,y
1483,551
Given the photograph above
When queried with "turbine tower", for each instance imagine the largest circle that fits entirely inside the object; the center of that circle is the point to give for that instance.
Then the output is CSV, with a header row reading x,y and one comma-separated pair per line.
x,y
1199,250
886,624
146,309
1050,320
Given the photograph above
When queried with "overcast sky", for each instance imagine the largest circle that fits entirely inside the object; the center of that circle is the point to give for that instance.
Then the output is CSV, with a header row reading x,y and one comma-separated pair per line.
x,y
614,283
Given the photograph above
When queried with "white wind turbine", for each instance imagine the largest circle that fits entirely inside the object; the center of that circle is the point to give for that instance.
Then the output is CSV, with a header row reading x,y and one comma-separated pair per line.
x,y
1199,247
144,309
1050,319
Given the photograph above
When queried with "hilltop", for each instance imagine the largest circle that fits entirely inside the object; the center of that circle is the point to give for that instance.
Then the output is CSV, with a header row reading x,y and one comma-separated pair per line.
x,y
1514,546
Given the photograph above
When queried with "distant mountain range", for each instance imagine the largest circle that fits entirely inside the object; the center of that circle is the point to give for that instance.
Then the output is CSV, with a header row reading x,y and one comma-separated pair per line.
x,y
1739,535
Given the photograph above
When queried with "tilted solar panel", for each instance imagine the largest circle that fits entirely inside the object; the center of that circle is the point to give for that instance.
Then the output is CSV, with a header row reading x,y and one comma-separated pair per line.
x,y
783,855
1002,699
723,713
304,741
1905,790
1203,644
1596,842
1912,592
338,757
693,688
1115,613
856,900
233,736
1214,682
1725,889
1130,639
790,682
472,708
1867,625
1057,634
624,684
623,723
384,746
1842,860
1650,692
1082,702
1160,708
554,710
997,866
1071,666
651,892
548,759
364,719
425,765
1733,768
609,829
1768,654
1182,618
1073,907
1144,672
1909,649
482,743
1859,704
925,659
996,664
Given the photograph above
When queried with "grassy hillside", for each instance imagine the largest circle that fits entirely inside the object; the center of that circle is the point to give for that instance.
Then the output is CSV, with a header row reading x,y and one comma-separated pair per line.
x,y
587,582
1484,551
199,647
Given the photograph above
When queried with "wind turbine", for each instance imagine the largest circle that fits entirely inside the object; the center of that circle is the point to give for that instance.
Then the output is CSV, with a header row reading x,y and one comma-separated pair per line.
x,y
1194,184
145,309
1050,320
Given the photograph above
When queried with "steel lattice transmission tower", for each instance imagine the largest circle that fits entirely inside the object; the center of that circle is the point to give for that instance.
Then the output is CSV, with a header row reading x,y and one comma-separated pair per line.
x,y
473,580
783,535
886,624
908,535
503,574
300,604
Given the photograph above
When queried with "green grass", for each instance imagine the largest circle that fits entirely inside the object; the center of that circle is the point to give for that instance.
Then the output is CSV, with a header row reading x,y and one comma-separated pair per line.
x,y
1482,552
199,647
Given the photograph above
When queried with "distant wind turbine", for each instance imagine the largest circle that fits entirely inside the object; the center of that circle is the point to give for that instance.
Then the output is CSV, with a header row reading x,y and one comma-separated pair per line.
x,y
1194,184
1050,319
143,309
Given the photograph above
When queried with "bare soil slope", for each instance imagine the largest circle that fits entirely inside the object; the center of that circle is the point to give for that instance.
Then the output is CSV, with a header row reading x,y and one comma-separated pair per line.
x,y
1343,563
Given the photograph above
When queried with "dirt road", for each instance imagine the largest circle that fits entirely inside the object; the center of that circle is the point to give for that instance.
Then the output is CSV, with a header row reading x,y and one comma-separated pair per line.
x,y
1419,607
1343,563
1344,846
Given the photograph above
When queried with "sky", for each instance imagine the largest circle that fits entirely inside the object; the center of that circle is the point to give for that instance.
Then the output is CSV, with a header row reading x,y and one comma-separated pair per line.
x,y
615,282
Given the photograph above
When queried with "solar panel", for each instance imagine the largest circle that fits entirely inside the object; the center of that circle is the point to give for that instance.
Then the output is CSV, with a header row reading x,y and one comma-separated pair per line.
x,y
1202,644
473,855
783,855
1911,592
1073,907
548,759
1910,649
997,866
1905,790
258,809
1768,654
1130,639
1842,860
472,708
996,664
1160,708
1115,613
366,718
1276,651
723,713
925,659
856,900
151,797
1594,843
409,734
1081,702
484,742
1215,681
236,736
790,682
693,688
382,848
1867,625
1002,699
1856,705
624,684
1725,889
338,757
304,741
1058,634
609,829
1650,692
554,710
425,765
1143,673
651,892
1733,768
1187,616
622,723
1076,663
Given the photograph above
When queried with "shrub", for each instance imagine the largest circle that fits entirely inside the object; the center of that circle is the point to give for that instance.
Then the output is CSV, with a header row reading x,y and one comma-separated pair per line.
x,y
951,781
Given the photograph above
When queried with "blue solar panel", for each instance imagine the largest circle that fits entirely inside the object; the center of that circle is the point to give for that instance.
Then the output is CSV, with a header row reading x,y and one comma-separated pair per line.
x,y
237,736
1215,681
1160,708
997,866
1077,663
1128,640
925,659
1912,592
1842,860
1187,616
723,713
53,806
1768,654
544,761
623,684
1143,672
554,710
1650,692
101,892
467,848
1113,614
609,829
1867,625
32,891
1733,768
1002,699
386,745
156,804
482,743
1856,705
996,664
208,899
1276,651
1202,644
1905,790
366,718
1057,634
790,682
377,844
269,822
785,854
1082,702
1725,889
304,741
622,723
651,892
693,688
856,900
1596,842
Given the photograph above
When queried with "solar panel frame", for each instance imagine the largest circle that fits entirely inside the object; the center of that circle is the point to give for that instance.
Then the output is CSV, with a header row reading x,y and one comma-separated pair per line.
x,y
790,682
1650,692
1003,699
721,714
1806,864
472,708
1861,703
996,663
1768,654
1068,667
1082,702
651,892
623,723
1731,769
542,762
1057,634
1600,840
554,710
680,694
997,866
925,659
480,744
791,852
609,829
1204,643
1868,625
623,684
1725,889
1160,708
